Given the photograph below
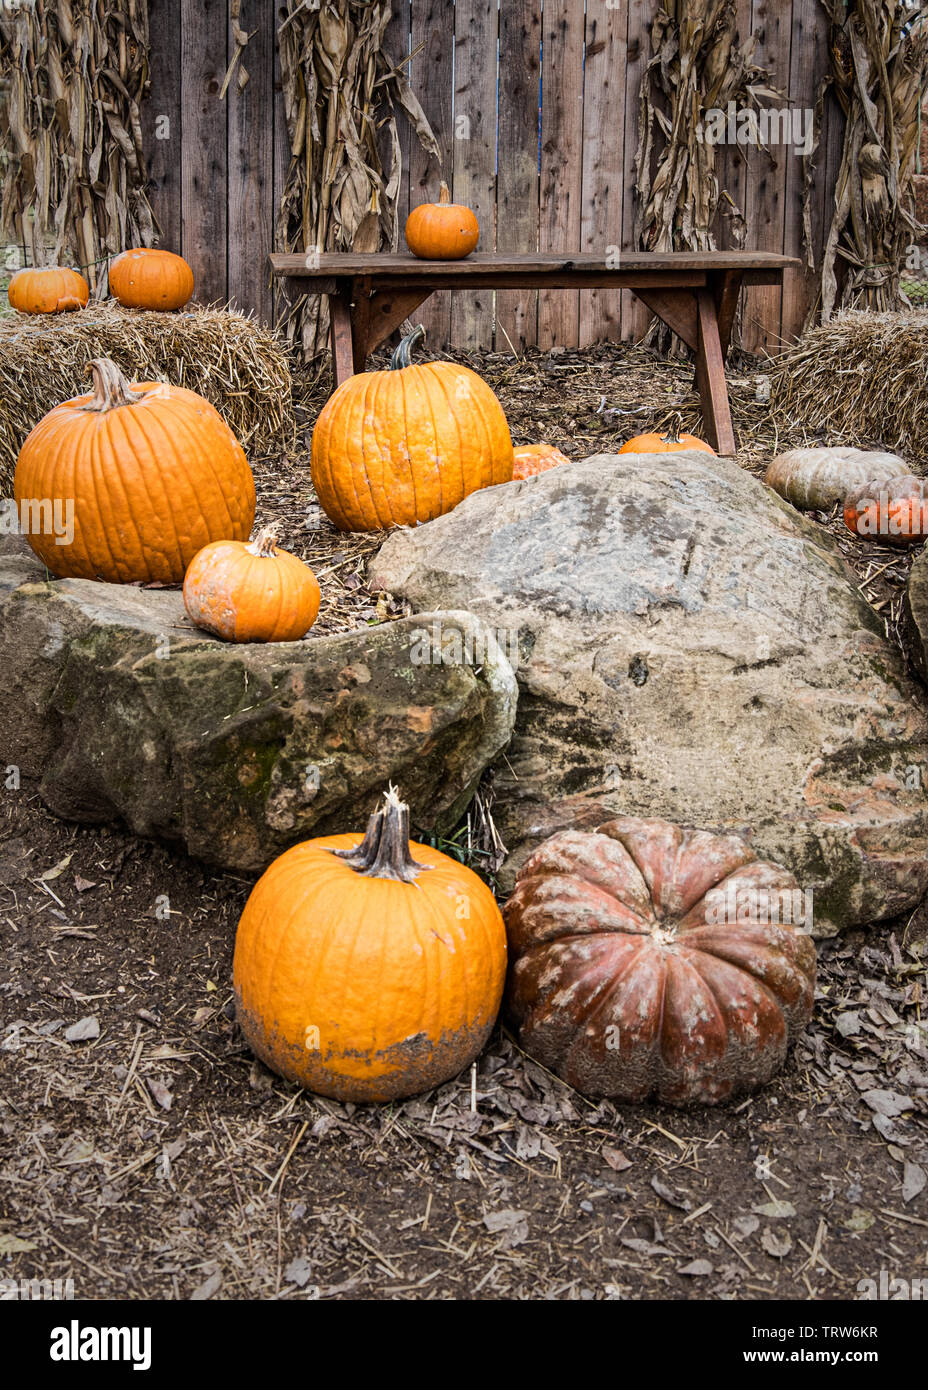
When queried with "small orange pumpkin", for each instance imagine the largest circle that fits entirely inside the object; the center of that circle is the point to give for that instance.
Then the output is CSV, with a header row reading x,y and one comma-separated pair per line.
x,y
672,442
47,289
891,510
145,278
150,474
357,974
403,446
442,231
253,592
531,459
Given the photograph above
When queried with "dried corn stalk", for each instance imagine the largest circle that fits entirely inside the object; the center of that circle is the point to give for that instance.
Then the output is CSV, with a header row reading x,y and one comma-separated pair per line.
x,y
699,65
75,72
878,76
340,95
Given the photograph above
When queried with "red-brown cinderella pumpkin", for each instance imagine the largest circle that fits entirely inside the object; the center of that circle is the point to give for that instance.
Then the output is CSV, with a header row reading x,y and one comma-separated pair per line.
x,y
655,961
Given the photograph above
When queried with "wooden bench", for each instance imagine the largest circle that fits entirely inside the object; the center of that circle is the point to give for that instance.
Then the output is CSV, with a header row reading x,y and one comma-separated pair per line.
x,y
695,295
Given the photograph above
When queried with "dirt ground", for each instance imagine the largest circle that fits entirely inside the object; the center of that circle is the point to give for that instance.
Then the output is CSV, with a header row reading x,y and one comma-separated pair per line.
x,y
145,1154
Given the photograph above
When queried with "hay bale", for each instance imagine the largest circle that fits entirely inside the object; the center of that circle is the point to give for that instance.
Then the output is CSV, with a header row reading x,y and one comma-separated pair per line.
x,y
240,367
860,379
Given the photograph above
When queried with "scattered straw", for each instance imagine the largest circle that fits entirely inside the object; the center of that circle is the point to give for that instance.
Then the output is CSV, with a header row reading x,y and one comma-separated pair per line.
x,y
239,366
860,379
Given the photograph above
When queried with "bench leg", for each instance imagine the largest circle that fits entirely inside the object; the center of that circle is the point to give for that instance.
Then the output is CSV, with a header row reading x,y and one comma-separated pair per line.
x,y
710,376
340,336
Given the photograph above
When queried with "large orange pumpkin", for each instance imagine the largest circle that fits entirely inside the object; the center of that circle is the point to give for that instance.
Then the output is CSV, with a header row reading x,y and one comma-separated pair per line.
x,y
891,510
253,592
369,968
651,960
672,442
442,231
402,446
145,278
152,472
47,289
531,459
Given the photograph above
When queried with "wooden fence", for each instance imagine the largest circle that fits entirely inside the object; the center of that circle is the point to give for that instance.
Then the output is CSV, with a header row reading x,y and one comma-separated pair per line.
x,y
535,106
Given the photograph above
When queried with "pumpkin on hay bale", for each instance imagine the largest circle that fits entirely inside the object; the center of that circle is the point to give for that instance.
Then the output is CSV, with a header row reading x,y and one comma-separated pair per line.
x,y
240,367
860,379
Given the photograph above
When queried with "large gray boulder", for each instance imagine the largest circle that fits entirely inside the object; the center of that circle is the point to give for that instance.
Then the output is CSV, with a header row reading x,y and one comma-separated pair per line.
x,y
915,615
689,647
123,709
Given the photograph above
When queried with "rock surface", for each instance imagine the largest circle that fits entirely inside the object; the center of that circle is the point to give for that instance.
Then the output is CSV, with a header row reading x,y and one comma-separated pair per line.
x,y
688,647
237,751
915,615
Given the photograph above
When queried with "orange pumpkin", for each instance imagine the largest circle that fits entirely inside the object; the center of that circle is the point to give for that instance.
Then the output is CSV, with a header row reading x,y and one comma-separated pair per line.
x,y
251,593
47,289
670,443
891,510
144,278
403,446
531,459
369,968
151,472
442,231
655,961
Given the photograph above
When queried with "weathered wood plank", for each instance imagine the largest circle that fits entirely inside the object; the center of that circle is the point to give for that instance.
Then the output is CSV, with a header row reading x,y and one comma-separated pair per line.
x,y
603,155
251,166
383,263
710,377
431,76
808,60
161,121
635,317
204,177
340,336
766,201
732,170
282,293
561,160
475,71
517,176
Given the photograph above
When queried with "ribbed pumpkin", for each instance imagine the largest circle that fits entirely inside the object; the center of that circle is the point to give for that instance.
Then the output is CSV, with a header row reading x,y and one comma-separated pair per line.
x,y
818,478
894,510
629,981
442,231
152,471
369,968
403,446
47,289
531,459
145,278
253,592
672,442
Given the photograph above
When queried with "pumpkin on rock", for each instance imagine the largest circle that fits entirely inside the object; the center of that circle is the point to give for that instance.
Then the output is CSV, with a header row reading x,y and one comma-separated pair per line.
x,y
151,472
532,459
47,289
402,446
655,961
145,278
442,231
253,592
369,968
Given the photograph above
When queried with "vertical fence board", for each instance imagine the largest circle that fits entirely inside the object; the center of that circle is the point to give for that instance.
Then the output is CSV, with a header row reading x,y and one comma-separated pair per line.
x,y
732,170
475,72
635,317
396,47
561,161
251,166
808,63
162,131
431,75
517,178
204,174
767,181
603,154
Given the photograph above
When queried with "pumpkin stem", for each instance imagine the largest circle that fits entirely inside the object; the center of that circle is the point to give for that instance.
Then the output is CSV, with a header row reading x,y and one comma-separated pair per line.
x,y
444,193
265,542
401,357
384,851
110,387
675,430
